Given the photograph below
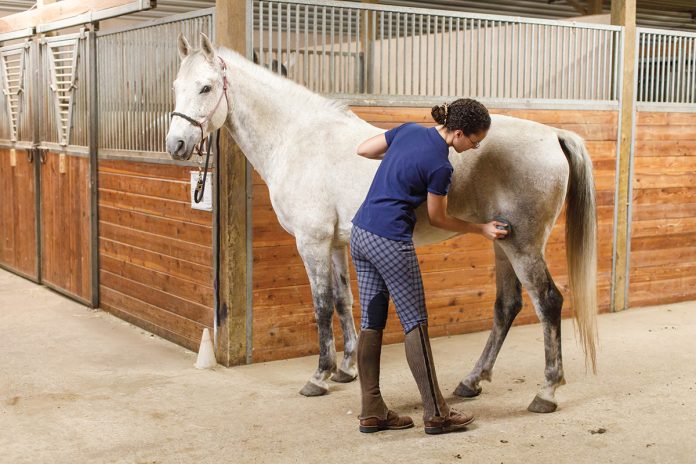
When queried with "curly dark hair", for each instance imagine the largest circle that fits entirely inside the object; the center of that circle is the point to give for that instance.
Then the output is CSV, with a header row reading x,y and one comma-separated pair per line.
x,y
464,114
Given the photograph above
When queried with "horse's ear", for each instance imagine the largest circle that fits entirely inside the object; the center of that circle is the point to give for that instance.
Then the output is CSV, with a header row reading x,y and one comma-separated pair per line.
x,y
256,57
184,47
207,47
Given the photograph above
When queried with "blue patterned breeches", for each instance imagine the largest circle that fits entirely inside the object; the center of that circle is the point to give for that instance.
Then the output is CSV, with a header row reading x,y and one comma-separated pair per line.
x,y
387,268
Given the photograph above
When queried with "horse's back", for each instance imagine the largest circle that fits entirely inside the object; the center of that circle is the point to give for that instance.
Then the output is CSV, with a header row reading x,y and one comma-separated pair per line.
x,y
325,178
519,173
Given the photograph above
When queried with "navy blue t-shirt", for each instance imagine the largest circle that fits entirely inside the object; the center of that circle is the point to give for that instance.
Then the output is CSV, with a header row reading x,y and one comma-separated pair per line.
x,y
415,163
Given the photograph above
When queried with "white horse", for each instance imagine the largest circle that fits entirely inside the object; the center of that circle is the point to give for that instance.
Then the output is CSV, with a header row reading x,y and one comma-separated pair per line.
x,y
303,146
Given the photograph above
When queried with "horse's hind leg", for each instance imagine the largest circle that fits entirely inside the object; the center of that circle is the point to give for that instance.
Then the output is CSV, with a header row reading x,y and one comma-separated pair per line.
x,y
343,299
317,259
508,303
548,303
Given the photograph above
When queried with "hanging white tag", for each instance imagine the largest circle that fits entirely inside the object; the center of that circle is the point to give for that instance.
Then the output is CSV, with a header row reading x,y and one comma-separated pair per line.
x,y
206,203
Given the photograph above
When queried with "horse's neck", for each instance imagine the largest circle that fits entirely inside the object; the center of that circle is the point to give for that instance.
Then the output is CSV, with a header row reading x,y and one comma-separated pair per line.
x,y
258,122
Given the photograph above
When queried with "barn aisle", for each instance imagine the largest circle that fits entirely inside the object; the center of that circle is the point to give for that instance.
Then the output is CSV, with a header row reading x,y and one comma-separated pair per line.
x,y
78,385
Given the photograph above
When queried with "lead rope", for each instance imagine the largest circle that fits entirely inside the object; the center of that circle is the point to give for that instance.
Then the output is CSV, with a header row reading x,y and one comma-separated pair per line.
x,y
200,184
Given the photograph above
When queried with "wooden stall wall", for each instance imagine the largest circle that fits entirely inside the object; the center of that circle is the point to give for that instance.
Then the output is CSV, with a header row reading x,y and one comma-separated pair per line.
x,y
663,233
458,275
155,251
65,224
17,213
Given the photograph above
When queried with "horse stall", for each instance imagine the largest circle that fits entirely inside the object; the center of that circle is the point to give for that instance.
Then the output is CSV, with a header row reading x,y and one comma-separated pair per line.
x,y
418,58
156,251
663,204
133,246
97,210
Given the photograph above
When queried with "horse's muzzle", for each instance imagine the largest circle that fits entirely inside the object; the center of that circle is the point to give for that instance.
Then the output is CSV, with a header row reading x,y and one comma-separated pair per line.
x,y
178,149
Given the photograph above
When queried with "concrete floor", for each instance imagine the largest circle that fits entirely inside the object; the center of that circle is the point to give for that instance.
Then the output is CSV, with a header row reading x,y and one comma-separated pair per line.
x,y
79,386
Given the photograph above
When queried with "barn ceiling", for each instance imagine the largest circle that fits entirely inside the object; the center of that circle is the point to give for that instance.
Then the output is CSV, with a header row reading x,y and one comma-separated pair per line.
x,y
669,14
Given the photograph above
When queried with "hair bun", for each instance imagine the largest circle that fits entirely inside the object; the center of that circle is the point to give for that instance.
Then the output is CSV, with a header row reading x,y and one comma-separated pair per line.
x,y
439,114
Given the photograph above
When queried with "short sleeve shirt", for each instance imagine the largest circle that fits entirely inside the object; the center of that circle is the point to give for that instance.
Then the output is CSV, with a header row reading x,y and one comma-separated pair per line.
x,y
415,163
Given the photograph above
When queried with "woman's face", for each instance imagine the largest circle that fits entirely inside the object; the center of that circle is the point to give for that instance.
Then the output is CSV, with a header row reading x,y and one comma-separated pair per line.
x,y
463,142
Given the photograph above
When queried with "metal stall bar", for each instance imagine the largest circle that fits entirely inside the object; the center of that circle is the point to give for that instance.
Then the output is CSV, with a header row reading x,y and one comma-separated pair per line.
x,y
92,142
572,49
666,70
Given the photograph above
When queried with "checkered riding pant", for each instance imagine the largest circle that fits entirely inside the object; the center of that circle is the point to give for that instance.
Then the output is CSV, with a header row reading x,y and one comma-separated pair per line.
x,y
387,268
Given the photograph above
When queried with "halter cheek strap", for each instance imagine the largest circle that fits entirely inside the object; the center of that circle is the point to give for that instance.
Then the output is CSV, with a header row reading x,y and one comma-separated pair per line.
x,y
223,67
206,120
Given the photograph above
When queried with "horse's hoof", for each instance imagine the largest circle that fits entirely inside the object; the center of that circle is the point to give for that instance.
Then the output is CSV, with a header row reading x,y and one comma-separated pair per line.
x,y
343,377
542,406
466,392
312,389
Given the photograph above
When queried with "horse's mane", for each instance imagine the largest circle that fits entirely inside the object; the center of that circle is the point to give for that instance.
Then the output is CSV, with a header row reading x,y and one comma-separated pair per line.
x,y
290,90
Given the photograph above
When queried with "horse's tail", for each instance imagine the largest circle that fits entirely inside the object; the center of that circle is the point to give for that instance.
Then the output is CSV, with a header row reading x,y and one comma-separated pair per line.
x,y
581,241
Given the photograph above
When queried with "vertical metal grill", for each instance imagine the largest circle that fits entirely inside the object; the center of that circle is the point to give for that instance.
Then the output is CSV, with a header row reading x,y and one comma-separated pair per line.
x,y
12,75
64,90
62,59
136,68
666,67
345,48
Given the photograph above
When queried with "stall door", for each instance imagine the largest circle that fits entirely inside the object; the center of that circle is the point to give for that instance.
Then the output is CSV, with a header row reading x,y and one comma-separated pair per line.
x,y
66,213
18,180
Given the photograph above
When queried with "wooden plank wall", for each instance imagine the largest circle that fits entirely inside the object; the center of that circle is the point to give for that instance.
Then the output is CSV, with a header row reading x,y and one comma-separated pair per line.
x,y
155,252
663,238
458,275
17,213
65,224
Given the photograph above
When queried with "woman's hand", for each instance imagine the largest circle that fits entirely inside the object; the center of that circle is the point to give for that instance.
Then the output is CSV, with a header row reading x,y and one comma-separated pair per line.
x,y
437,214
492,232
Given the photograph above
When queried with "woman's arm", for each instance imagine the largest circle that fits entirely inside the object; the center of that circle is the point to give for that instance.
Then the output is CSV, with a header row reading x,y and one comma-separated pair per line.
x,y
437,214
374,147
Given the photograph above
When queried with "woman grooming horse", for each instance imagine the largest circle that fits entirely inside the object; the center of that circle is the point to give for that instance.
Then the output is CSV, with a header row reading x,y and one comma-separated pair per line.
x,y
303,146
415,168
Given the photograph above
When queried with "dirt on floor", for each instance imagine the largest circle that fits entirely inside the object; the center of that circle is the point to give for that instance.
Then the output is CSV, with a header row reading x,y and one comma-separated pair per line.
x,y
80,386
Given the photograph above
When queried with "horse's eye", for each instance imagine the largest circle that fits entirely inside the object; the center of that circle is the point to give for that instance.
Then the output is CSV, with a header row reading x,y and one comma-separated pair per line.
x,y
205,89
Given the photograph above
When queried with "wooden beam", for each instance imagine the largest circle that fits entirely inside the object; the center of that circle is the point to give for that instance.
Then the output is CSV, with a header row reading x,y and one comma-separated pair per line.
x,y
623,13
595,7
66,9
234,328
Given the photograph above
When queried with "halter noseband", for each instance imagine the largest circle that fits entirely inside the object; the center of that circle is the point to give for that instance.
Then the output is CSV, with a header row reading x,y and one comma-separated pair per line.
x,y
200,124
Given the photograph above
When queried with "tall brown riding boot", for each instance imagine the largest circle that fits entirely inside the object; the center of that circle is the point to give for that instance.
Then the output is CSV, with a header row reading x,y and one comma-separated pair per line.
x,y
375,415
438,417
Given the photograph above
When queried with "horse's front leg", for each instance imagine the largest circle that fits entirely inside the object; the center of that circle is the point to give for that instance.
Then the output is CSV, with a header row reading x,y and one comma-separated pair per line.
x,y
316,255
343,298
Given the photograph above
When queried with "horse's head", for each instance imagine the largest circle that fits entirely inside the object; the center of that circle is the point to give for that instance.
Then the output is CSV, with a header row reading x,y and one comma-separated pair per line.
x,y
200,90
